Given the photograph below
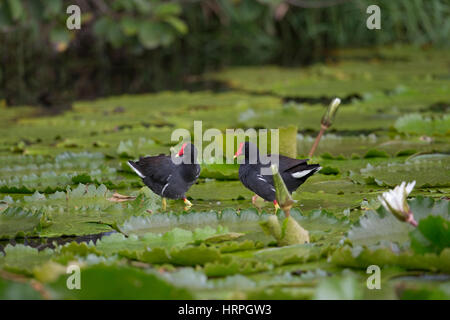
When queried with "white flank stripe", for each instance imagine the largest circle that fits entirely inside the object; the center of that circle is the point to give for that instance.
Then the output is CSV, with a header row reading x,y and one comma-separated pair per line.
x,y
165,186
136,170
301,174
260,177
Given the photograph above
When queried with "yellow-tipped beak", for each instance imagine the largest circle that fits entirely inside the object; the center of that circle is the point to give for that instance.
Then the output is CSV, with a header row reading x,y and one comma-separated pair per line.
x,y
277,206
235,156
187,202
177,155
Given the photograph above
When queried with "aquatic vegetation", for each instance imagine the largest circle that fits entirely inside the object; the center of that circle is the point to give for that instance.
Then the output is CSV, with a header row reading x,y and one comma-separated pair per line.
x,y
61,176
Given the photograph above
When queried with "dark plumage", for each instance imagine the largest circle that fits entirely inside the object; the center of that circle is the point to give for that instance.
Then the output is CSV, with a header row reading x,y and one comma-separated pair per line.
x,y
167,178
293,171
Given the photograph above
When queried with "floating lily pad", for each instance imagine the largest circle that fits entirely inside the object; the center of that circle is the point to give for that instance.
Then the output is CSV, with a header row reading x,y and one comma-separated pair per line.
x,y
22,259
431,235
80,211
418,124
108,282
219,190
16,222
359,257
426,170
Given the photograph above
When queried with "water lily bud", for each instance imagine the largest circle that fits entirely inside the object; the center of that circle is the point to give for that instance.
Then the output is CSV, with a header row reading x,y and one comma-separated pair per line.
x,y
395,202
328,117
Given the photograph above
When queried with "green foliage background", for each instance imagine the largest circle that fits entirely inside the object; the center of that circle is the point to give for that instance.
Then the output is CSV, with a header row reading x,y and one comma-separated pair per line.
x,y
142,45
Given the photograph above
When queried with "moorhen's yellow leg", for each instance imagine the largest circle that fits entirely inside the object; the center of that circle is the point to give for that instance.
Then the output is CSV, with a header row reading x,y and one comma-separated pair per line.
x,y
164,204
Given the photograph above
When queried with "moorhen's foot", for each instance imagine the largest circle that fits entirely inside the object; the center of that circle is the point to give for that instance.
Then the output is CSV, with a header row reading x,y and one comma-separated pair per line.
x,y
254,198
276,205
187,203
117,197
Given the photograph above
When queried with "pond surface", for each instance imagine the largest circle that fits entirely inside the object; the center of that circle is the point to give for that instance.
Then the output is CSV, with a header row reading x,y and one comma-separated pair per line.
x,y
59,172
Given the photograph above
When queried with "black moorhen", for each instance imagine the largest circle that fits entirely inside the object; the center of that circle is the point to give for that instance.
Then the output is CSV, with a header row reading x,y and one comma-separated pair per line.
x,y
293,171
166,178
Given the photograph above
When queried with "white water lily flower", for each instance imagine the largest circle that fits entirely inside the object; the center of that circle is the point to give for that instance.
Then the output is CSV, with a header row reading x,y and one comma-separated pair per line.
x,y
395,202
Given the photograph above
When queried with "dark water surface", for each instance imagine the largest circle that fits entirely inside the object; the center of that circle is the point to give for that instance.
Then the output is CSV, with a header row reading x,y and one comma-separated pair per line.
x,y
43,243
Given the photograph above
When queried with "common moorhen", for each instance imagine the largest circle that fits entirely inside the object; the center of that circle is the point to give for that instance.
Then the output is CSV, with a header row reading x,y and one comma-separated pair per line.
x,y
293,171
167,178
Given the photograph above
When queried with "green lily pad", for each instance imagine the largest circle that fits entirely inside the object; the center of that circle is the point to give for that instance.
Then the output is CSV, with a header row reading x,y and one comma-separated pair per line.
x,y
108,282
23,259
16,222
431,235
339,288
418,124
186,256
83,210
359,257
235,266
176,237
427,171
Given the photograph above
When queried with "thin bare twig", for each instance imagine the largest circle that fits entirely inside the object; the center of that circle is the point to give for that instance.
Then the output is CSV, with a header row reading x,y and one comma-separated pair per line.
x,y
323,128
